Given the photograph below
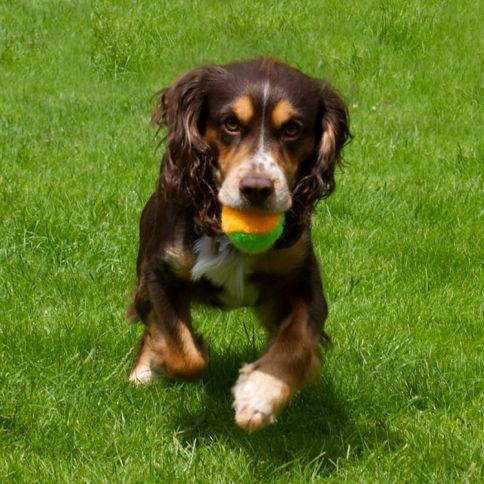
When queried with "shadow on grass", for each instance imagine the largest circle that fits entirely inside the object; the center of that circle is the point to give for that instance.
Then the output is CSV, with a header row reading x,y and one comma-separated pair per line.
x,y
316,432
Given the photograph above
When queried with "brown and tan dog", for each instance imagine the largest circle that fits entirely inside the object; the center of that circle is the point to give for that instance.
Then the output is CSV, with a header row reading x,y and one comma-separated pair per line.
x,y
256,135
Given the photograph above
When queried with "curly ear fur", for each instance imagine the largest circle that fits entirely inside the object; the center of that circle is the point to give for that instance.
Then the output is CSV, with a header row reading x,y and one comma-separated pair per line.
x,y
315,177
186,173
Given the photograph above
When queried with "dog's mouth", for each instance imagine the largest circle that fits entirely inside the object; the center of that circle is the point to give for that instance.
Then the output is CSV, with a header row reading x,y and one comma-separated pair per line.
x,y
257,185
251,197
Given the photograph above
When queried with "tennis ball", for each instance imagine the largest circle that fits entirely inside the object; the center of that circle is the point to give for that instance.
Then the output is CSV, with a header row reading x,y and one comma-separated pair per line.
x,y
250,231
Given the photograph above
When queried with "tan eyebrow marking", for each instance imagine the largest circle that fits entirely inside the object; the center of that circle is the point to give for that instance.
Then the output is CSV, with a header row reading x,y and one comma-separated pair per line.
x,y
243,108
282,112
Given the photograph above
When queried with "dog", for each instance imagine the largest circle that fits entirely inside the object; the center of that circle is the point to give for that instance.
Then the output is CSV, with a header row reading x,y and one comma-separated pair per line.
x,y
255,135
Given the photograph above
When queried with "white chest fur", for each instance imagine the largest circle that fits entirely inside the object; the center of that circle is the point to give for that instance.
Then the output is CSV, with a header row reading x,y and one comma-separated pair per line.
x,y
225,267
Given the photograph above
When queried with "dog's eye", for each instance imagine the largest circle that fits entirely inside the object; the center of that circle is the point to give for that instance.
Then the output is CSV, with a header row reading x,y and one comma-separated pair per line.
x,y
291,129
231,124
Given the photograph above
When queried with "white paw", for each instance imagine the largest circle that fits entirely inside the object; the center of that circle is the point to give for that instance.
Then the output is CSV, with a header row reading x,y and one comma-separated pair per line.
x,y
258,398
142,375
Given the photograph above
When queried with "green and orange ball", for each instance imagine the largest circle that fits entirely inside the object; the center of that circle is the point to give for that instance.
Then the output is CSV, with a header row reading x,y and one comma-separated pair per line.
x,y
250,231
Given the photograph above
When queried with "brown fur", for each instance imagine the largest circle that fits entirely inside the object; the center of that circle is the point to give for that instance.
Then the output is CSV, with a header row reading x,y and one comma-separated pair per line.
x,y
201,152
243,109
282,112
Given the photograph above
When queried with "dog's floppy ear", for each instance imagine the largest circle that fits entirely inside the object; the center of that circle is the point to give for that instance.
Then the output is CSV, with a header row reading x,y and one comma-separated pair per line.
x,y
315,177
186,173
181,105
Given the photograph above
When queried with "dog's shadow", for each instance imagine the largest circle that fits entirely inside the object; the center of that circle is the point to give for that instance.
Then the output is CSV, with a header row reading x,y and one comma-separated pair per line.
x,y
315,431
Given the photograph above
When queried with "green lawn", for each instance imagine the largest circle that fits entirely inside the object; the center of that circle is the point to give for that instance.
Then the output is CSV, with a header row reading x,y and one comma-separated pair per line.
x,y
400,242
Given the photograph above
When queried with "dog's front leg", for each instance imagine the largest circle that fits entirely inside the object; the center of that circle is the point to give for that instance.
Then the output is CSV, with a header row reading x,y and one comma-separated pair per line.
x,y
168,345
291,361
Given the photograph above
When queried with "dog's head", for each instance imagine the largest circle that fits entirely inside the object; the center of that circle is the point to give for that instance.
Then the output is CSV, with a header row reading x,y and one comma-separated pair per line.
x,y
251,135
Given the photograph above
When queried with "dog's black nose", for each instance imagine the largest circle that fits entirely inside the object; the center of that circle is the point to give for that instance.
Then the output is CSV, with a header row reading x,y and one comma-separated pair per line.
x,y
256,189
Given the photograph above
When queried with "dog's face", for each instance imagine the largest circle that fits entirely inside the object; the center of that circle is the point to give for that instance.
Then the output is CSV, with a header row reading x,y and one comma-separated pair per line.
x,y
253,135
262,123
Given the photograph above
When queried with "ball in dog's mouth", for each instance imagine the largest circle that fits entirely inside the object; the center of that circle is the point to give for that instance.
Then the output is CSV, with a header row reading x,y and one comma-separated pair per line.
x,y
251,231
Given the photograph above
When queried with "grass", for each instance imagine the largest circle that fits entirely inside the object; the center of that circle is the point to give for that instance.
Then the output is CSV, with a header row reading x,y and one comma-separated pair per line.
x,y
400,242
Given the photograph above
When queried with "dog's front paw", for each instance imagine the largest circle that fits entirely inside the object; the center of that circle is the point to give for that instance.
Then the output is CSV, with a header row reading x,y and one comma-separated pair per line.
x,y
142,374
258,398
